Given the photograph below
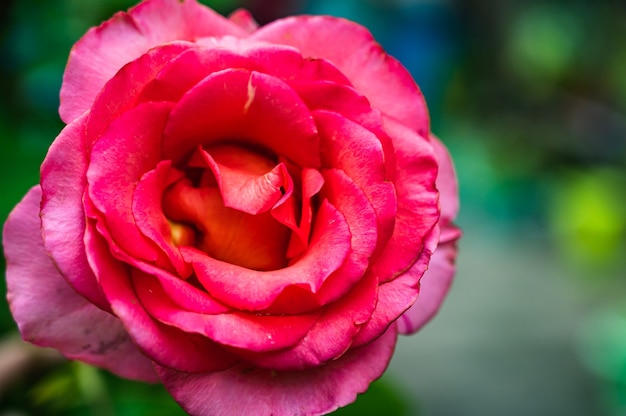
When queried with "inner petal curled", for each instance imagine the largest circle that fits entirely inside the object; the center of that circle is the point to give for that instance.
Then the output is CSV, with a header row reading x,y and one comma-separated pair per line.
x,y
223,207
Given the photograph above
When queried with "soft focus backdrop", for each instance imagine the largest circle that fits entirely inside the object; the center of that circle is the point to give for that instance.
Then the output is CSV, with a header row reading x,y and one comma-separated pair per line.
x,y
530,98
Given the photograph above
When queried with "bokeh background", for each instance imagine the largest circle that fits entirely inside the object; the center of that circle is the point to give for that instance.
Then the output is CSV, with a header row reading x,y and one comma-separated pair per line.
x,y
530,98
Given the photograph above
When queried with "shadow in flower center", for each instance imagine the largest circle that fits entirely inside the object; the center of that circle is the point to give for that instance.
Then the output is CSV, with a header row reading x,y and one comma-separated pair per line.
x,y
223,207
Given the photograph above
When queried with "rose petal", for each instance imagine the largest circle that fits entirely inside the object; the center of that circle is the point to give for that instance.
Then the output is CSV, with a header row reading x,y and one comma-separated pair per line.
x,y
244,19
446,184
50,314
398,295
163,344
248,107
245,180
252,290
332,334
418,201
285,211
63,184
242,390
434,286
103,50
129,148
148,215
435,283
393,92
121,92
241,330
359,153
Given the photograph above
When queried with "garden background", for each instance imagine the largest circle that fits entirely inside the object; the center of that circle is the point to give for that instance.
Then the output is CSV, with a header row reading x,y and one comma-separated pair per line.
x,y
530,98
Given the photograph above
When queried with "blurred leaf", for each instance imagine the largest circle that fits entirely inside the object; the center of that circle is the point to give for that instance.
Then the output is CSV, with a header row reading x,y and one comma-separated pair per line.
x,y
587,217
543,40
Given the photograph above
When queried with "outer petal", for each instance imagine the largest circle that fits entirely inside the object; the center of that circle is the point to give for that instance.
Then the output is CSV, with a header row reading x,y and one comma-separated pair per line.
x,y
418,202
241,390
381,78
398,295
446,184
436,281
434,286
63,183
50,314
103,50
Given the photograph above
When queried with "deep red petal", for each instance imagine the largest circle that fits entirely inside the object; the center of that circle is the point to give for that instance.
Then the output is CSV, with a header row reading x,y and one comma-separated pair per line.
x,y
244,106
251,332
129,148
253,290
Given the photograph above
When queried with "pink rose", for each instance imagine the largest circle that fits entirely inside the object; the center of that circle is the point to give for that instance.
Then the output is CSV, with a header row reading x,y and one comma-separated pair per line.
x,y
244,214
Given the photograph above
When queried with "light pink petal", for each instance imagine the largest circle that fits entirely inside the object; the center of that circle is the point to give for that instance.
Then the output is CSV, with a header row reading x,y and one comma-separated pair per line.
x,y
49,313
446,184
244,19
247,106
103,50
237,329
418,202
248,391
398,295
63,183
163,344
129,148
253,290
437,279
381,78
433,288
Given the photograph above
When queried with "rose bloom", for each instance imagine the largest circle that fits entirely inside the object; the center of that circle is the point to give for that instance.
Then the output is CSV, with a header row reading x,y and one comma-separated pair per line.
x,y
248,215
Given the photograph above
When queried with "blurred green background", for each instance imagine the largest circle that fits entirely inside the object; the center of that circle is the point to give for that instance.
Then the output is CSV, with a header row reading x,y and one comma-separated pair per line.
x,y
530,98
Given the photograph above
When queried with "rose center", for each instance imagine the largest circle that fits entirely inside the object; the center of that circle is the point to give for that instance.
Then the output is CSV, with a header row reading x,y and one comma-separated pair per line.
x,y
205,212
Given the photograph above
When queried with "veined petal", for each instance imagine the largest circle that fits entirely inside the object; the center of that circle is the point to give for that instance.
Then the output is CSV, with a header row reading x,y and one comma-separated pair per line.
x,y
330,337
49,313
63,183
